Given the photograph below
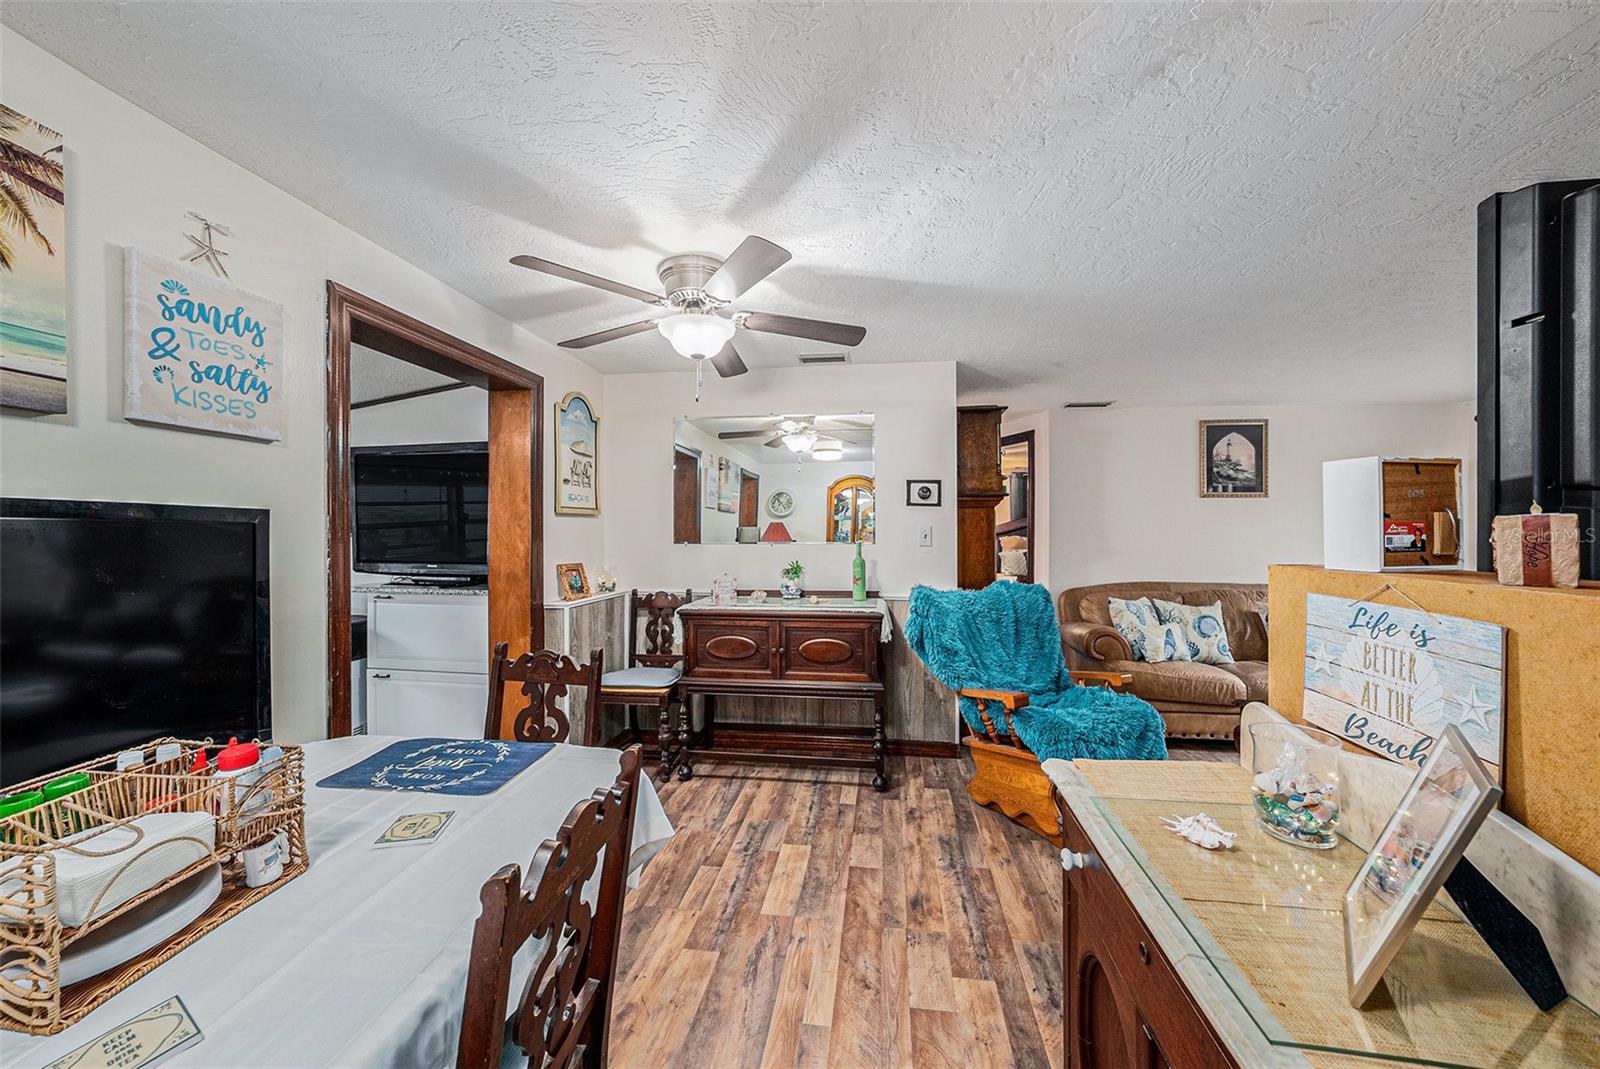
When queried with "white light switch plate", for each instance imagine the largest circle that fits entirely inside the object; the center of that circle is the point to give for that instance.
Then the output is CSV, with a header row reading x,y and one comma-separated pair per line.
x,y
925,537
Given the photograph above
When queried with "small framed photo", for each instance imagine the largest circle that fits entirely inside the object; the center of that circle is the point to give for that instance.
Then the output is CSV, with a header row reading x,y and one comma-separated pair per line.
x,y
1414,854
574,582
1233,458
924,492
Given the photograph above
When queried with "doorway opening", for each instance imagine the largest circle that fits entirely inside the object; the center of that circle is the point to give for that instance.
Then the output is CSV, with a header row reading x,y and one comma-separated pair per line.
x,y
1015,518
515,506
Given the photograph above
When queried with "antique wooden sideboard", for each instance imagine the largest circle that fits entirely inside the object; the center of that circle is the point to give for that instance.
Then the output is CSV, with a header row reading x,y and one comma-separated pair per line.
x,y
775,648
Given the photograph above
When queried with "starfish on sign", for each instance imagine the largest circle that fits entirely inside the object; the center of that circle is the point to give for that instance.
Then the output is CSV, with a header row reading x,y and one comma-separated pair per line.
x,y
1317,654
1473,708
206,243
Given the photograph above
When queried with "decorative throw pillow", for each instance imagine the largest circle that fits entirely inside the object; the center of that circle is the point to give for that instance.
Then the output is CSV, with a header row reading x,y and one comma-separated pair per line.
x,y
1150,639
1203,632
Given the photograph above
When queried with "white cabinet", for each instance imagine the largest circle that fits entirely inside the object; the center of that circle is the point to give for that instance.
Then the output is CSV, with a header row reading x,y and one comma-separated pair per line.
x,y
428,632
427,664
448,705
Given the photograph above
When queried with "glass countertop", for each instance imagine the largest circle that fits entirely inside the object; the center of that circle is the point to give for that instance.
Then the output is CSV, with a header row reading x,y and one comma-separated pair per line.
x,y
1268,917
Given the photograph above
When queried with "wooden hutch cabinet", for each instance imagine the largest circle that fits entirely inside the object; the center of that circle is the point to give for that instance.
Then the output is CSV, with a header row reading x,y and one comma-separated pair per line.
x,y
979,488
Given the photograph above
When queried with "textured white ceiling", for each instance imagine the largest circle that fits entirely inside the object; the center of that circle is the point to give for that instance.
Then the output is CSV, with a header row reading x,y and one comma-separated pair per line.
x,y
1181,202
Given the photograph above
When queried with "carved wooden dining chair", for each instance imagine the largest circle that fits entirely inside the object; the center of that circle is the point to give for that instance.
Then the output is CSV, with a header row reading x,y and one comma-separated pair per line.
x,y
545,676
561,1016
651,678
1005,773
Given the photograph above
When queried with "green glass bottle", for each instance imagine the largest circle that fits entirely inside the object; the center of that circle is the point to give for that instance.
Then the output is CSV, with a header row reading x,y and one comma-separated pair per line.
x,y
858,576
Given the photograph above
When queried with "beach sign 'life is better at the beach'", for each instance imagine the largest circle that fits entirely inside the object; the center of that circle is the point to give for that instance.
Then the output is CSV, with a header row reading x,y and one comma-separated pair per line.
x,y
201,353
1389,679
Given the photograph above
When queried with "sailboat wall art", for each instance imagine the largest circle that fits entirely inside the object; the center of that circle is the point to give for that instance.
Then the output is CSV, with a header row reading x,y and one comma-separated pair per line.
x,y
33,266
1233,458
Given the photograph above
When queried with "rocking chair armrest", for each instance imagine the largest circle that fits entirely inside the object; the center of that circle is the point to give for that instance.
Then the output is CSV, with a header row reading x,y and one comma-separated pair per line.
x,y
1011,699
1111,680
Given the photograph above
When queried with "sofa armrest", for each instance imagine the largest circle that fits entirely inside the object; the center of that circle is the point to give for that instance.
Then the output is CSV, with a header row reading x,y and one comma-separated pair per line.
x,y
1097,642
1109,680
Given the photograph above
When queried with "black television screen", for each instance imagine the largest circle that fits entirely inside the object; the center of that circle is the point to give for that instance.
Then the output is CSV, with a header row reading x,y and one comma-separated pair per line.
x,y
121,623
421,509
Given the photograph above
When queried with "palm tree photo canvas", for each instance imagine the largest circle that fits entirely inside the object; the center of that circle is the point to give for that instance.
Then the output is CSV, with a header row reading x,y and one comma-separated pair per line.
x,y
33,275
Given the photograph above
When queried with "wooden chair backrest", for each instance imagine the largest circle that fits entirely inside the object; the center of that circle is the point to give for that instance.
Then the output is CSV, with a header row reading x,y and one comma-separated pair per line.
x,y
545,676
656,634
567,999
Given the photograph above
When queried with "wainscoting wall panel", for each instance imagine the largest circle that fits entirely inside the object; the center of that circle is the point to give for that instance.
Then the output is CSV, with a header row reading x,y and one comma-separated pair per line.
x,y
575,628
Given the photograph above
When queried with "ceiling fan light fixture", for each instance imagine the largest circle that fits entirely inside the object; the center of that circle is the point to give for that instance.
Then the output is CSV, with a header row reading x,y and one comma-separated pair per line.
x,y
799,443
827,452
696,335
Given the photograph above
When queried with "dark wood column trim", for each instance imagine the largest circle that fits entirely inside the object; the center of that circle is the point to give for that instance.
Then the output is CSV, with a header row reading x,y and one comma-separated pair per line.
x,y
516,453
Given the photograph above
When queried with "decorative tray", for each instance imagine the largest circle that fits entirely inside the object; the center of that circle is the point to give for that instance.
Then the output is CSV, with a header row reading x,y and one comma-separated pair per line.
x,y
76,864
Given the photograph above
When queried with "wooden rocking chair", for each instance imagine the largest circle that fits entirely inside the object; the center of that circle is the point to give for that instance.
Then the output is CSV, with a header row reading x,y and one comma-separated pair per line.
x,y
1006,774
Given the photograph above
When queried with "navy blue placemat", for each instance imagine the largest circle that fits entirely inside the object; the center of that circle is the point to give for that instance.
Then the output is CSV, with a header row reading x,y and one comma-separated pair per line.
x,y
439,766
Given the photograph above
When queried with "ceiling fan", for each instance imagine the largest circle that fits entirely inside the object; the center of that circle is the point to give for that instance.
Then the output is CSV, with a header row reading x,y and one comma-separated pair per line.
x,y
699,288
824,437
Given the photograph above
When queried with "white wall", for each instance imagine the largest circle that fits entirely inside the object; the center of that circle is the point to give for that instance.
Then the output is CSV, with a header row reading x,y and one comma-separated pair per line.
x,y
1126,505
914,437
456,416
1039,546
130,178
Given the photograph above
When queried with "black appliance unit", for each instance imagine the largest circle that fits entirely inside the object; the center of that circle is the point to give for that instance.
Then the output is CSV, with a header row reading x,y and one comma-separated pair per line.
x,y
1538,372
421,510
121,623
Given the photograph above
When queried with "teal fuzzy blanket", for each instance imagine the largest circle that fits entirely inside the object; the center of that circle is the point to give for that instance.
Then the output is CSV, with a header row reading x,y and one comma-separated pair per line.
x,y
1005,637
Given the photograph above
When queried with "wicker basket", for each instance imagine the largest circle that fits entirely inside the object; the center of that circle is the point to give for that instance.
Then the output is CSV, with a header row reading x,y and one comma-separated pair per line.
x,y
32,938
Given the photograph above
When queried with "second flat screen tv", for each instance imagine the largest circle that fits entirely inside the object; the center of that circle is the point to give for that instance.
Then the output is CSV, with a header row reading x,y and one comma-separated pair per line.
x,y
421,509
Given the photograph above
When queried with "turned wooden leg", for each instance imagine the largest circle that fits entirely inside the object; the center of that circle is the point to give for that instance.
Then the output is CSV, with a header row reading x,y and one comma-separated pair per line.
x,y
664,739
681,755
880,744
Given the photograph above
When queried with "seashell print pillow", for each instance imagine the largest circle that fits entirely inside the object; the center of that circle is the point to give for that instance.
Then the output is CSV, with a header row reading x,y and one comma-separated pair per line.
x,y
1150,639
1203,632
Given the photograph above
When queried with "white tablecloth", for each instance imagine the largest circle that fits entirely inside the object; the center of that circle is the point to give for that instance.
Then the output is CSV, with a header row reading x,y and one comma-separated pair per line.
x,y
362,961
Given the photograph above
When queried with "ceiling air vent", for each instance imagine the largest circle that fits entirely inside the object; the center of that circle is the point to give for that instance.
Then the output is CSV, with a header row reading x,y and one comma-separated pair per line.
x,y
1088,404
824,358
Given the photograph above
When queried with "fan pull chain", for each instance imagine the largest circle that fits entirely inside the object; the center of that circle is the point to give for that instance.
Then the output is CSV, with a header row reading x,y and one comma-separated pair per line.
x,y
699,378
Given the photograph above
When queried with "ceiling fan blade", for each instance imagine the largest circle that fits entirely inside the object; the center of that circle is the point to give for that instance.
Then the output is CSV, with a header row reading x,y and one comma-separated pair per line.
x,y
728,363
795,327
725,435
752,261
609,335
572,274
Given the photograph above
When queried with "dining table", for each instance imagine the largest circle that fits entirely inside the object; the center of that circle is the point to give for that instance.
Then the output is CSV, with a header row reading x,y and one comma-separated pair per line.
x,y
362,960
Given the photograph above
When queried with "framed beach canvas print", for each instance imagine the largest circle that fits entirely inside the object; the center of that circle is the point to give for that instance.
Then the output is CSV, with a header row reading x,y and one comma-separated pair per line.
x,y
577,457
200,353
1233,458
727,485
1448,799
33,267
1391,678
710,472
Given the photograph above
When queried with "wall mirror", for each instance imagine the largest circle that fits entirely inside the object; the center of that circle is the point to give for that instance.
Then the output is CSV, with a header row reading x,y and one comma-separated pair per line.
x,y
776,478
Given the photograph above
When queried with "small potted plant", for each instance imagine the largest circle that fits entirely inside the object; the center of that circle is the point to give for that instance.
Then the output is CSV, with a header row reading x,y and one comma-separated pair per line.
x,y
792,574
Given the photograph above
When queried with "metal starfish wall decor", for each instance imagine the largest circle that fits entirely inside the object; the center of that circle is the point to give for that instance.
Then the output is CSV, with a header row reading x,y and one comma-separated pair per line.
x,y
206,243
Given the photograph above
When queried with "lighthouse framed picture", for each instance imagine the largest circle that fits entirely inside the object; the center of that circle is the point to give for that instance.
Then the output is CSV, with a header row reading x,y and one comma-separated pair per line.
x,y
577,457
1233,458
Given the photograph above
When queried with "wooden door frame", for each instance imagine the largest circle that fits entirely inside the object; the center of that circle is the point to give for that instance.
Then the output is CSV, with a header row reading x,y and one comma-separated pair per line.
x,y
516,474
688,451
1025,438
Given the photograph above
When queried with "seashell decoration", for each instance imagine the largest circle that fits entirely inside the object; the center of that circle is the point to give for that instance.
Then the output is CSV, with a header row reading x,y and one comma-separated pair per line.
x,y
1201,830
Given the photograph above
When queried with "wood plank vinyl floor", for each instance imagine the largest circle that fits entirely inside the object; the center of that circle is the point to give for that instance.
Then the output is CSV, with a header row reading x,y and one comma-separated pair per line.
x,y
799,918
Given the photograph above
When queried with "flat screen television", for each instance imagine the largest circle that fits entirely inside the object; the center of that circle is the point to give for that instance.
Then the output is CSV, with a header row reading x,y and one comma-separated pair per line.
x,y
121,623
421,509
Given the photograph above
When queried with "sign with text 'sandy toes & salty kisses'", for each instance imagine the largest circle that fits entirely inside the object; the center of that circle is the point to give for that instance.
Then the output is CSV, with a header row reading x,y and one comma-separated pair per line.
x,y
1389,679
201,353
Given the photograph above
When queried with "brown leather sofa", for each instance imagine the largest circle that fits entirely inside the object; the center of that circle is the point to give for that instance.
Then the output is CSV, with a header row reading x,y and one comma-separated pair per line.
x,y
1198,701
